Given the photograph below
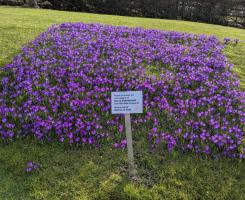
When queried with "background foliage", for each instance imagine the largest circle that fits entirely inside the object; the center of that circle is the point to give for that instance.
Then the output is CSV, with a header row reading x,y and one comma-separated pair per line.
x,y
226,12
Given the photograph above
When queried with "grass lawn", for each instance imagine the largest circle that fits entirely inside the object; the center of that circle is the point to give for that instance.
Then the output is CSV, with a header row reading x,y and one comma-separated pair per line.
x,y
19,26
84,173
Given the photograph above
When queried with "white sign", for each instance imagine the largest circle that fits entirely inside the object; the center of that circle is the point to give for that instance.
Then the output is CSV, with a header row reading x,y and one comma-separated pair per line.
x,y
127,102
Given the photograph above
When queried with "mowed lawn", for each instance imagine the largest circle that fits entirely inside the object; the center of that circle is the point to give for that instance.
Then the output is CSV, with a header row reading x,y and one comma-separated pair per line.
x,y
88,173
19,26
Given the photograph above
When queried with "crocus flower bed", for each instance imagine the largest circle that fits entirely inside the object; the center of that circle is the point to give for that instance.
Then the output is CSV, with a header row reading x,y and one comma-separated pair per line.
x,y
59,87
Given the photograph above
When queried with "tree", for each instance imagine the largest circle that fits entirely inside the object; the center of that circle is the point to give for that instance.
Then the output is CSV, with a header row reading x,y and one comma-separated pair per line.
x,y
31,3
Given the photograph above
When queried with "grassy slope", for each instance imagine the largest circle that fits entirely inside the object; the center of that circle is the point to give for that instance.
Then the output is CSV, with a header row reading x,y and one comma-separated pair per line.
x,y
18,26
69,173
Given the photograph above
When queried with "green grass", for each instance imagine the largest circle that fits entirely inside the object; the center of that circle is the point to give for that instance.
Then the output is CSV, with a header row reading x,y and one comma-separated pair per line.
x,y
84,173
19,26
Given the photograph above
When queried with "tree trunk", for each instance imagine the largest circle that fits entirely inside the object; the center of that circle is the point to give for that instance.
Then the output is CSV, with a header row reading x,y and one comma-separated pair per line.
x,y
32,3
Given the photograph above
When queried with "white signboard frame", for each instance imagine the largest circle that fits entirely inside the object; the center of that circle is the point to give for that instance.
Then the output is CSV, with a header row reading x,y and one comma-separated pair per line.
x,y
127,102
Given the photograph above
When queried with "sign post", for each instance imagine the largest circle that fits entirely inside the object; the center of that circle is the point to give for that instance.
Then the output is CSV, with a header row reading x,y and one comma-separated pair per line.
x,y
126,103
132,169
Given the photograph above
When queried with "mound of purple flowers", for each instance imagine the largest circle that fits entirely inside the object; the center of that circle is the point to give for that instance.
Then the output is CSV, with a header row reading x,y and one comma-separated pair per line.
x,y
60,87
